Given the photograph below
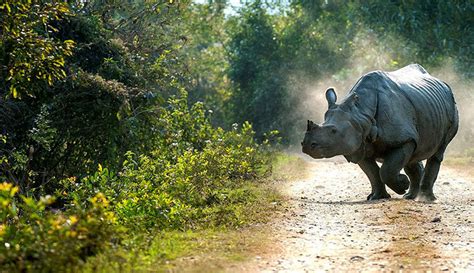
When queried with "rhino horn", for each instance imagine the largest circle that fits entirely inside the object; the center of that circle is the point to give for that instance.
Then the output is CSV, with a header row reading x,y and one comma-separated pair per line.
x,y
311,125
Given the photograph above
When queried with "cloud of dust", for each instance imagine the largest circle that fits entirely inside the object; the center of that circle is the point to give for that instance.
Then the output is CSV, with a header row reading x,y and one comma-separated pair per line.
x,y
463,90
308,94
372,54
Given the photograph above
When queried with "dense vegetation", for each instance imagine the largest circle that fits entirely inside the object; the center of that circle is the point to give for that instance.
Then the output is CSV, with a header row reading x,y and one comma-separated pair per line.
x,y
276,52
123,119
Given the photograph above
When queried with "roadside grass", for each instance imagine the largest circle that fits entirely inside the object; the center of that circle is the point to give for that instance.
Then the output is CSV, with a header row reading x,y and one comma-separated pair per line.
x,y
208,249
201,250
462,161
459,160
287,167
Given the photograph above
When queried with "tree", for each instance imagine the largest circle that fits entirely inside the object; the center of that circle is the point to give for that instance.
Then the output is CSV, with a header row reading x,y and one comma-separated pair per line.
x,y
436,29
258,95
205,60
89,104
29,53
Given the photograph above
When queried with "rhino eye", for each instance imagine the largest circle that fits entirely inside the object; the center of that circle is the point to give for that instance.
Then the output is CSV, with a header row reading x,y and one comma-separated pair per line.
x,y
333,130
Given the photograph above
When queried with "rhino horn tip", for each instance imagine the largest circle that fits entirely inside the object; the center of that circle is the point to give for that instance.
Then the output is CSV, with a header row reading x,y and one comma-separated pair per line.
x,y
310,125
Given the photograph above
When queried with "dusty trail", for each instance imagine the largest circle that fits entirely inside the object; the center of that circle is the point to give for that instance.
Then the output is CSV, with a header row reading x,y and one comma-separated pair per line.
x,y
328,226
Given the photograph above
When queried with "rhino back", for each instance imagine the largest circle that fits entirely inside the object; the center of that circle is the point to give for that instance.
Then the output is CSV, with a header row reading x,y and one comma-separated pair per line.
x,y
435,114
411,105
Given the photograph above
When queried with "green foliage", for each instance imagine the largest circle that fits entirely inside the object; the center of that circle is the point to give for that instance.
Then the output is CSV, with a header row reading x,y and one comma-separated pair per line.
x,y
192,179
316,38
34,238
258,95
204,54
27,48
104,107
437,29
179,173
196,178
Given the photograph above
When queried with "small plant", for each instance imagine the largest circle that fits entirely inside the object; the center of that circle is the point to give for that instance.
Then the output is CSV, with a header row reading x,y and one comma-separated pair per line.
x,y
35,238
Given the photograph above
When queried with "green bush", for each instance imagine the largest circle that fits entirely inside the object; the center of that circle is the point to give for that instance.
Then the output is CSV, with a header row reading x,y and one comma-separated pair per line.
x,y
34,238
196,171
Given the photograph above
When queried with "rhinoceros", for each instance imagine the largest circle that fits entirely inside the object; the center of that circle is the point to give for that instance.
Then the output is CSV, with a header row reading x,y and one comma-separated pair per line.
x,y
399,118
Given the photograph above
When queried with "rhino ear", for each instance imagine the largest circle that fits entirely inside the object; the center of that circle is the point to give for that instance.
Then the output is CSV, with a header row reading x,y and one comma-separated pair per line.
x,y
331,97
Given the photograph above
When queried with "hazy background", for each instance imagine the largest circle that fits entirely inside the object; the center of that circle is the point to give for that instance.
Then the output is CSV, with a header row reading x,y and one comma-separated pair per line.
x,y
281,56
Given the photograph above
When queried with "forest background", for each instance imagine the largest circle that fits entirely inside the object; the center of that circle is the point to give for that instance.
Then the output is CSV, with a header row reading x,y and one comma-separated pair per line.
x,y
126,124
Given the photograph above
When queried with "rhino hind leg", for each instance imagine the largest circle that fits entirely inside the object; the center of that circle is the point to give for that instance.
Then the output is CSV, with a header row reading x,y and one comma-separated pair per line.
x,y
415,172
426,186
371,169
392,165
431,172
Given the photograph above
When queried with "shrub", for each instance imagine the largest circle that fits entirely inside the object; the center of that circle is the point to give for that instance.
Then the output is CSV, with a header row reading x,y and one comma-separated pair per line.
x,y
195,171
35,238
198,176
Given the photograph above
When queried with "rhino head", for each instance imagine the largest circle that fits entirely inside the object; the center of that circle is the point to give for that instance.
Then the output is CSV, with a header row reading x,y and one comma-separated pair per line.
x,y
339,134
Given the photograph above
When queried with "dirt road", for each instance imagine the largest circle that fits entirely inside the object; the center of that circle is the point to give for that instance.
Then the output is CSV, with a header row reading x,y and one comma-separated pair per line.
x,y
329,227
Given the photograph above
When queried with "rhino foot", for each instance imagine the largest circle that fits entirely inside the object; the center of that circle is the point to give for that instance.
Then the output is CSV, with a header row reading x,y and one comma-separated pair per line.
x,y
402,184
410,195
425,197
378,195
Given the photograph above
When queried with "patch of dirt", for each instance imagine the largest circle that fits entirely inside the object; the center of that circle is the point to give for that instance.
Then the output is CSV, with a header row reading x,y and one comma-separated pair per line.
x,y
328,226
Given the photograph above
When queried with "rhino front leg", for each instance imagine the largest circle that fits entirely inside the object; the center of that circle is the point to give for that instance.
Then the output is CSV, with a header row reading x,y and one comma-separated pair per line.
x,y
371,169
431,173
415,172
394,161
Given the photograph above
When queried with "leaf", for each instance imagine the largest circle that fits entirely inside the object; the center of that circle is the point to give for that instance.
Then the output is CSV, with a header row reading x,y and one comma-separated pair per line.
x,y
30,202
14,92
63,9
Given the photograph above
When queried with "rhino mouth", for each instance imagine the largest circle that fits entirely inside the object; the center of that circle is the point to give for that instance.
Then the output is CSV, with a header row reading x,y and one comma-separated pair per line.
x,y
319,152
